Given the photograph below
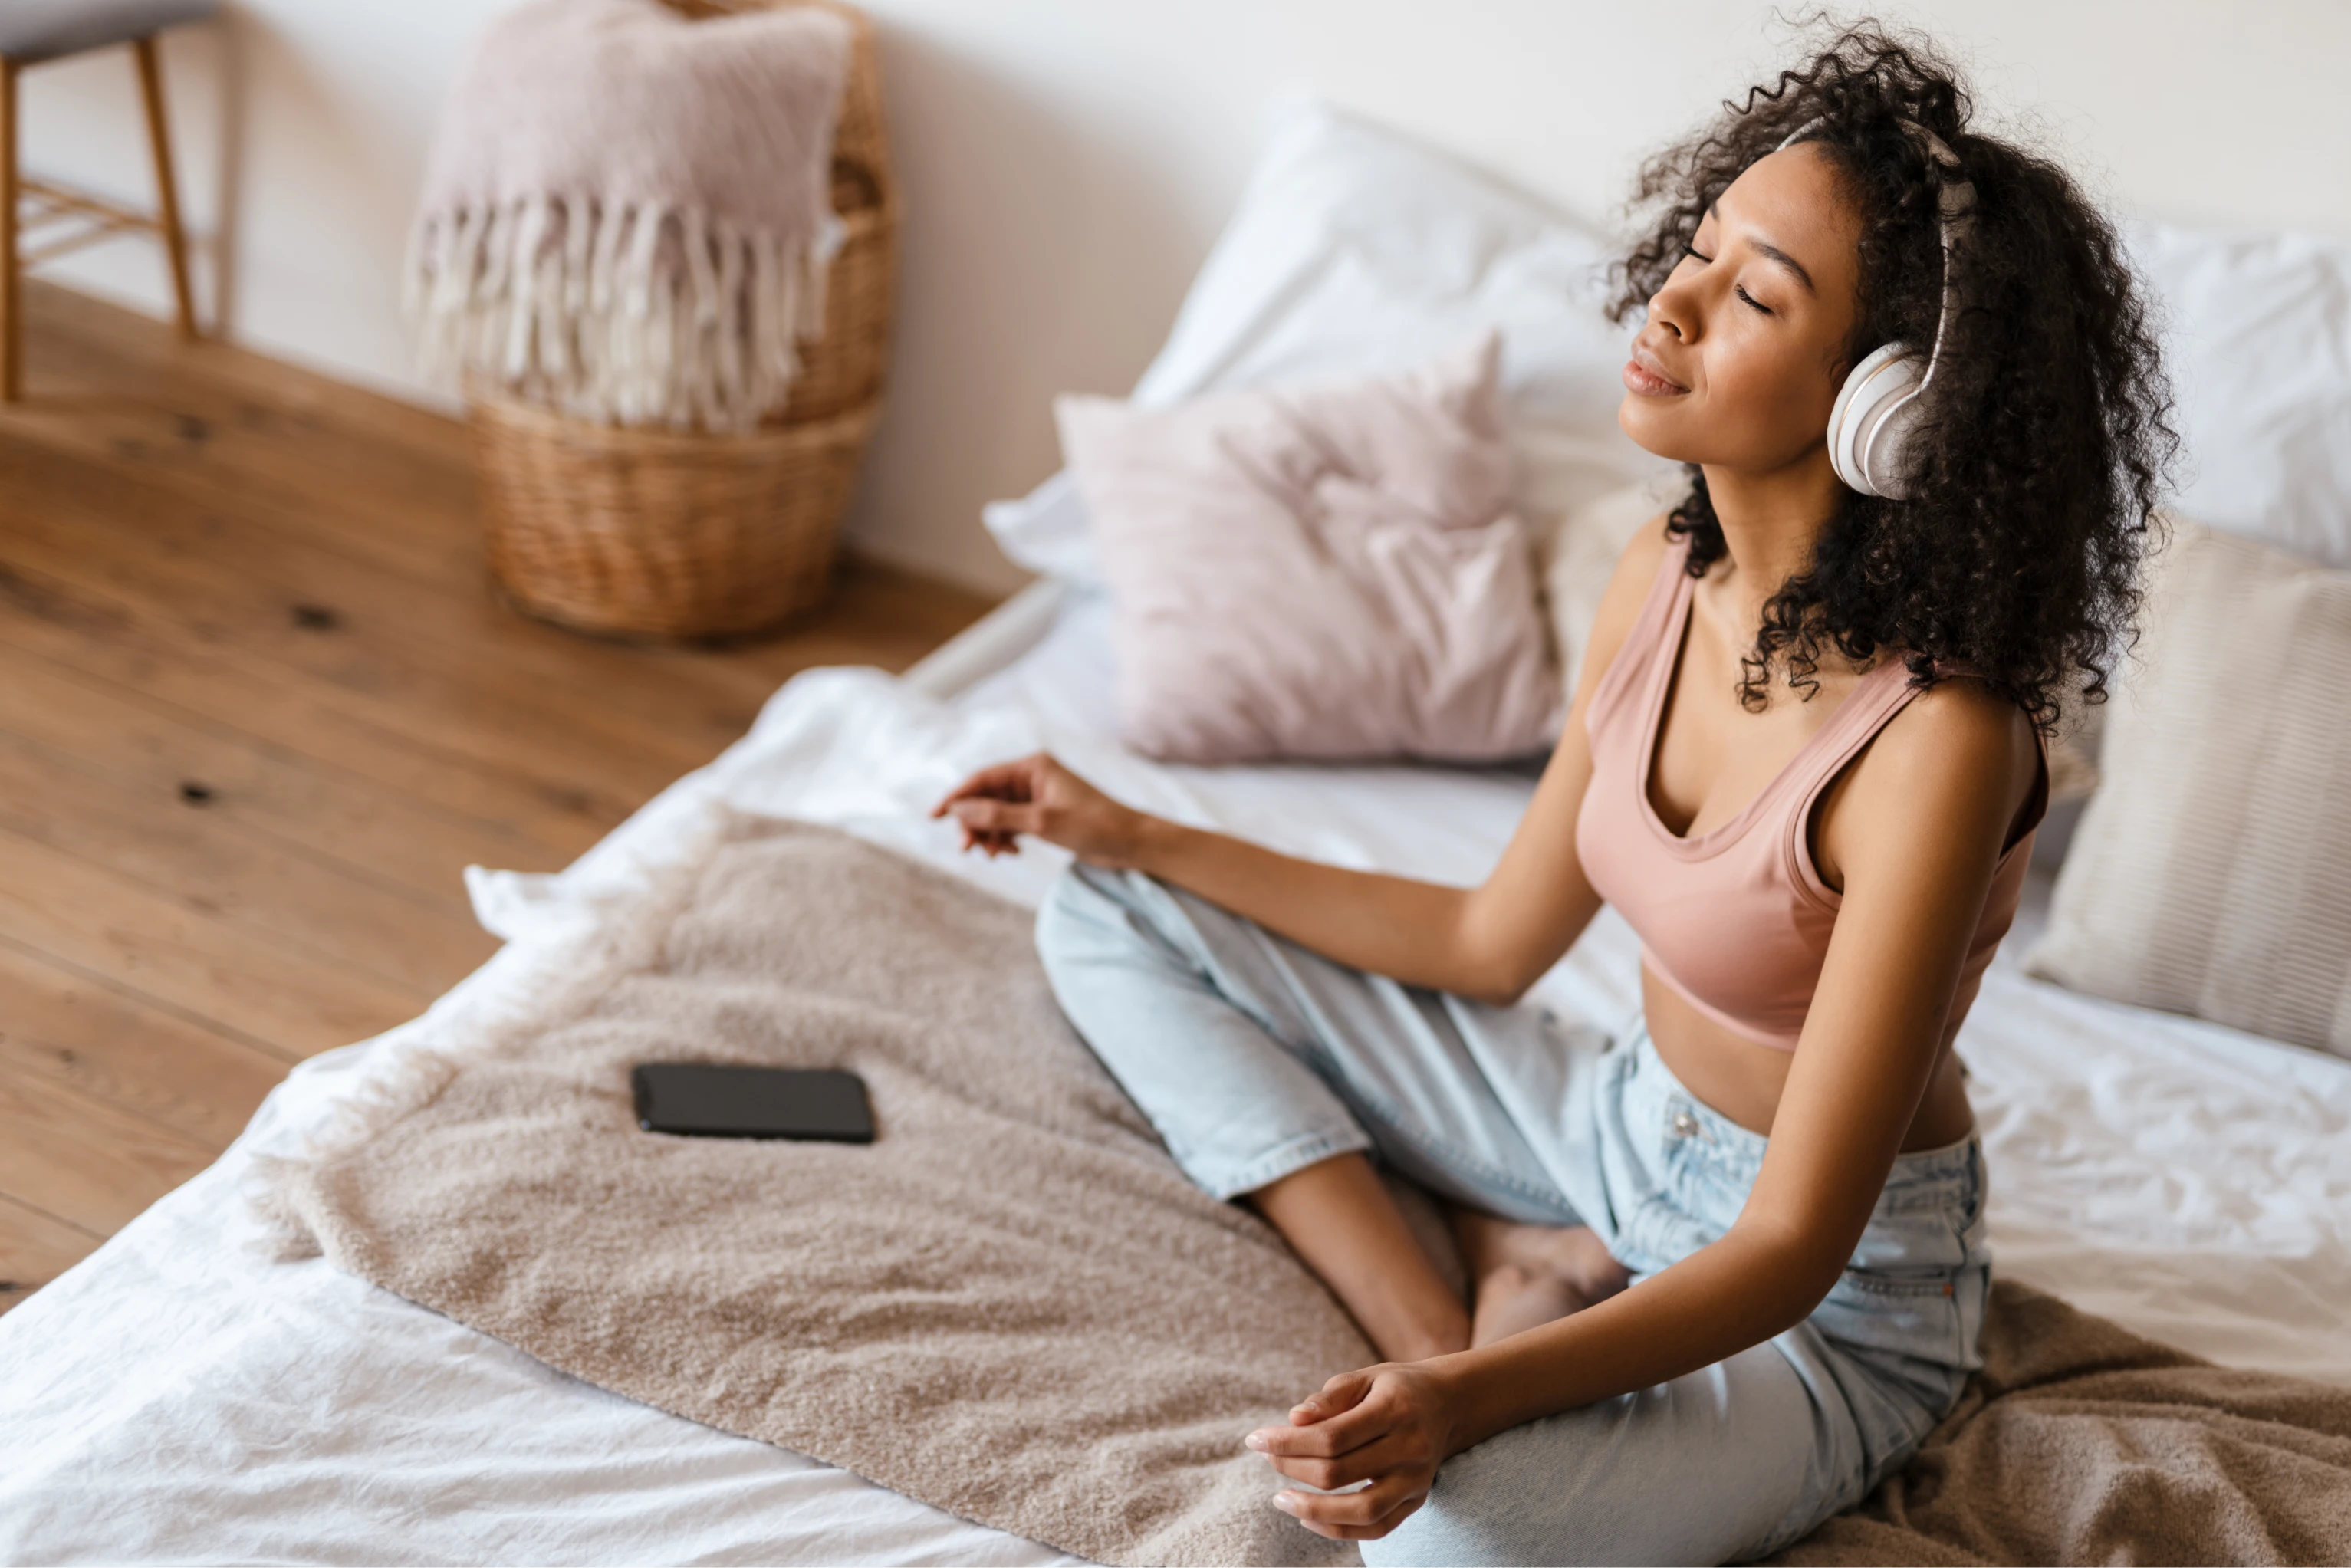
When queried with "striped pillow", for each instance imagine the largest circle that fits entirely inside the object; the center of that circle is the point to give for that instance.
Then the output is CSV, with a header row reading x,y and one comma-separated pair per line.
x,y
2212,872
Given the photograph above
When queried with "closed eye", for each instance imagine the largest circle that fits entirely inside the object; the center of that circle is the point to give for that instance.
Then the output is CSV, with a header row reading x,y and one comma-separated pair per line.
x,y
1691,250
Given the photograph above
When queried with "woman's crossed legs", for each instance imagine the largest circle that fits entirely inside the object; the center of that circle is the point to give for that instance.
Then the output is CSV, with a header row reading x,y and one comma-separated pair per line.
x,y
1273,1073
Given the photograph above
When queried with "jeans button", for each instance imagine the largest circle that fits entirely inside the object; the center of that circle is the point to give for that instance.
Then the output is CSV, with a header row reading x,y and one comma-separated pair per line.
x,y
1685,1125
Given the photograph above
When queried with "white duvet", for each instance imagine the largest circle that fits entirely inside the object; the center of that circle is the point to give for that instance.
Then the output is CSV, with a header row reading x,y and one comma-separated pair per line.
x,y
177,1397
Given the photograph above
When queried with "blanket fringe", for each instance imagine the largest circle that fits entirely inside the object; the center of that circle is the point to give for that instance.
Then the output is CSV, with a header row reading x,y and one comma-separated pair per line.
x,y
635,315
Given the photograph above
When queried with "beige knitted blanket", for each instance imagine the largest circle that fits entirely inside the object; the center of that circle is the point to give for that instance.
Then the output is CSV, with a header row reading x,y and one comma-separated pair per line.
x,y
1014,1307
628,215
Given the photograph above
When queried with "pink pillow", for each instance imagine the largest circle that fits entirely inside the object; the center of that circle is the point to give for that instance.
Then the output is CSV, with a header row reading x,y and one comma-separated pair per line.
x,y
1324,572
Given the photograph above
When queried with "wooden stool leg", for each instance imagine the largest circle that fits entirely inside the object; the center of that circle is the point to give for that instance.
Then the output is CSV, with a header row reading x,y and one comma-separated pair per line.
x,y
11,318
167,190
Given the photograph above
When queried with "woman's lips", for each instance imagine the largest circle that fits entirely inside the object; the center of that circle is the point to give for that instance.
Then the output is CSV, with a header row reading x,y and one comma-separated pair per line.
x,y
1639,378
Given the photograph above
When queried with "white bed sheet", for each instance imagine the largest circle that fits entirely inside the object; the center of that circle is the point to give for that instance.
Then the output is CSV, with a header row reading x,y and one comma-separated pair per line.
x,y
177,1397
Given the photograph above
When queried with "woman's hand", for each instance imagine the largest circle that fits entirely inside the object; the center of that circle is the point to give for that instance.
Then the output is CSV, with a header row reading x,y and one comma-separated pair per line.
x,y
1390,1424
1038,795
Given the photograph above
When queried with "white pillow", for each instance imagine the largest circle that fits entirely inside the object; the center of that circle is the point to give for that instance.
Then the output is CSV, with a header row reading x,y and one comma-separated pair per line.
x,y
2258,340
1357,250
1046,531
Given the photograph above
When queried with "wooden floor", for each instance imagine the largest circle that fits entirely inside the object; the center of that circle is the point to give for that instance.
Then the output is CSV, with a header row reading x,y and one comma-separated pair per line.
x,y
258,709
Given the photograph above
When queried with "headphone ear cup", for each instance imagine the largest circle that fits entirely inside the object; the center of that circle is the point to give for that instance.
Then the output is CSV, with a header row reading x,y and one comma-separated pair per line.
x,y
1870,425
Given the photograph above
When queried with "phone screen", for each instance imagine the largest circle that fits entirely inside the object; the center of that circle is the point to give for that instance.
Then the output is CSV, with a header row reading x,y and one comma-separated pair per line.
x,y
703,1099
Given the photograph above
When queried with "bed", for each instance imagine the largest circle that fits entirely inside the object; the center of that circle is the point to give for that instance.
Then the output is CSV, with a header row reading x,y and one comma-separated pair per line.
x,y
179,1395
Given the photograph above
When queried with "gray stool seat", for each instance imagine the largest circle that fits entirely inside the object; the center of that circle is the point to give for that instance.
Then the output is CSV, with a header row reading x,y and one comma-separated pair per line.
x,y
32,31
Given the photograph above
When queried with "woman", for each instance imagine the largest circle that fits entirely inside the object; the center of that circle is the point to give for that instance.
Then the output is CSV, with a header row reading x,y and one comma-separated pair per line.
x,y
1806,761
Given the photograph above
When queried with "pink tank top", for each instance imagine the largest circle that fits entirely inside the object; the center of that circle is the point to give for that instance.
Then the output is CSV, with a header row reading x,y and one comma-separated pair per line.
x,y
1737,919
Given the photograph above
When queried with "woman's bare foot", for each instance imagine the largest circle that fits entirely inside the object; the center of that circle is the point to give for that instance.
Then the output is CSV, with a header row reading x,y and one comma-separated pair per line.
x,y
1527,1275
1511,1300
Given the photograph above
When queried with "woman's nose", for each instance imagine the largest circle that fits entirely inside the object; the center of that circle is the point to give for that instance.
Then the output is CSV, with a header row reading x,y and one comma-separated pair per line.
x,y
1668,309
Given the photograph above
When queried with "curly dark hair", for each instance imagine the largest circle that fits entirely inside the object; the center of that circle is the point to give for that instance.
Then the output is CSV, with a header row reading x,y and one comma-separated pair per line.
x,y
2046,439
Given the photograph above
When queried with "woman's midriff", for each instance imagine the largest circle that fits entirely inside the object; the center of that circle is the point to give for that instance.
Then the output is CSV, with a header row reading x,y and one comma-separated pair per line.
x,y
1743,1080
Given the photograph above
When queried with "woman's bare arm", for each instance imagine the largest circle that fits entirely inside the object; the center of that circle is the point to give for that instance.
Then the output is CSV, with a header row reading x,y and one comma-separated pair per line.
x,y
1919,831
1491,942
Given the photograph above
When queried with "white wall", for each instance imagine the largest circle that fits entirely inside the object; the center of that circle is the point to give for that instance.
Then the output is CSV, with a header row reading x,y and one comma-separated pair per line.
x,y
1067,162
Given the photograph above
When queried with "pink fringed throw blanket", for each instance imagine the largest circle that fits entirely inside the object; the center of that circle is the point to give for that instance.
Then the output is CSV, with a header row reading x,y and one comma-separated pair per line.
x,y
627,214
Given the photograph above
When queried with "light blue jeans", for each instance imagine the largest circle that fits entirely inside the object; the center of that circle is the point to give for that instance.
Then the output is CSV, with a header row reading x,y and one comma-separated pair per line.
x,y
1255,1058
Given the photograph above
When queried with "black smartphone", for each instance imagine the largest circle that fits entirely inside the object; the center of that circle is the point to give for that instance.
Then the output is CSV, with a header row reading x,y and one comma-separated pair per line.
x,y
707,1100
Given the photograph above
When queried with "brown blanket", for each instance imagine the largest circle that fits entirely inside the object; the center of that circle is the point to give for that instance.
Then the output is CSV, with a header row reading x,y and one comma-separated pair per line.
x,y
2081,1442
1014,1307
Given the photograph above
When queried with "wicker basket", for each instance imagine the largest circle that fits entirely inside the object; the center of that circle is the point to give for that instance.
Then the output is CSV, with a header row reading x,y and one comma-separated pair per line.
x,y
672,534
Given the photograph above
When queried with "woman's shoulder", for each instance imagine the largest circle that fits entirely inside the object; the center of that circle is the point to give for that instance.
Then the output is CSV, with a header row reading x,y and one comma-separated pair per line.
x,y
1957,751
1961,719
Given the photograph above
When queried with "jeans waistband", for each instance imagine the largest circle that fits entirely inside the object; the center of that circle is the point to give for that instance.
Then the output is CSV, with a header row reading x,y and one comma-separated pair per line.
x,y
1948,1175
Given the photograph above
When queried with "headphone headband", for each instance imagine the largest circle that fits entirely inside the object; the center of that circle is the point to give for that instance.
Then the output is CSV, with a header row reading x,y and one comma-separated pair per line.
x,y
1955,196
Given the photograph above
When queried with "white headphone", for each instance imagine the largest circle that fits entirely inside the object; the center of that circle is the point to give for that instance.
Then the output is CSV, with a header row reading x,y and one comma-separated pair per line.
x,y
1877,408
